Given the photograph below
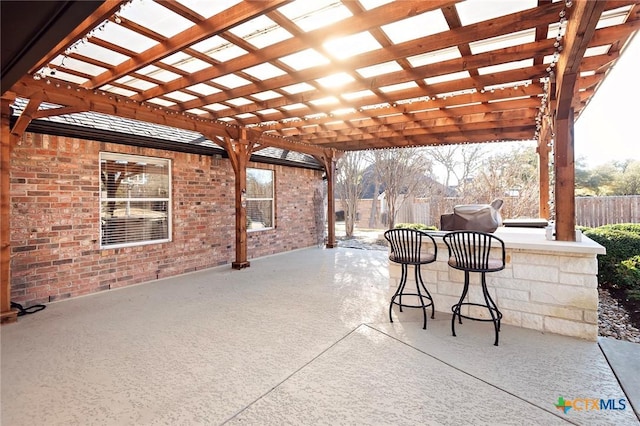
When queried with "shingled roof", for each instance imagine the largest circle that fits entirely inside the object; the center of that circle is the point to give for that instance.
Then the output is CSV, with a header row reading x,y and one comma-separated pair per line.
x,y
107,128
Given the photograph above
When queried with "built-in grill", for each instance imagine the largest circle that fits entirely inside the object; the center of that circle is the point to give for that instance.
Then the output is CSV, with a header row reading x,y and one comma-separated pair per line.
x,y
473,217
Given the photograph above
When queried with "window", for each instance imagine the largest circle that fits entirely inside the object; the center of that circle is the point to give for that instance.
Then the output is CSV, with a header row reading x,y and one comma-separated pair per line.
x,y
135,200
260,200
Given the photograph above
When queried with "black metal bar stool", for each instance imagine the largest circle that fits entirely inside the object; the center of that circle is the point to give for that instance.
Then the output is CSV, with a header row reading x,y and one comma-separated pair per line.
x,y
470,251
406,249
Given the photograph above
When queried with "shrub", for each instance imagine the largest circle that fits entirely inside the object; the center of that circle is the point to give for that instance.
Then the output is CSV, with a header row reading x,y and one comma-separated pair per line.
x,y
417,226
628,277
629,227
620,267
620,245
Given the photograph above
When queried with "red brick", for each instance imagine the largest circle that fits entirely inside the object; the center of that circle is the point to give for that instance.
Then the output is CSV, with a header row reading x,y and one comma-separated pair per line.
x,y
54,202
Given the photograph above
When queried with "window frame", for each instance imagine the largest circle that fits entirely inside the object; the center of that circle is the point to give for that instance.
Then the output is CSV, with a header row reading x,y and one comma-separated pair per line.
x,y
134,158
272,199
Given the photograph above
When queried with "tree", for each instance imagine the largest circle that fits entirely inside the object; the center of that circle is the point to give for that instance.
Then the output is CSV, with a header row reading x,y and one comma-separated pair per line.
x,y
512,176
402,173
612,178
595,181
627,182
445,156
349,186
459,161
484,173
373,214
471,160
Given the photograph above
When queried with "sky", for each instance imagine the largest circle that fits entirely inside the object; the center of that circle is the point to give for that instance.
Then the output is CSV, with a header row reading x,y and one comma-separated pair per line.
x,y
607,130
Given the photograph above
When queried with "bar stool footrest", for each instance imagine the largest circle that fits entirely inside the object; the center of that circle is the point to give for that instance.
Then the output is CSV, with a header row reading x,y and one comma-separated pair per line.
x,y
456,311
404,305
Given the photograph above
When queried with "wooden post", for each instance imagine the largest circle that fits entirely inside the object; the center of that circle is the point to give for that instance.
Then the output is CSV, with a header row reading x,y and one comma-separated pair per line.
x,y
330,169
543,170
328,158
241,207
239,153
7,315
583,20
565,180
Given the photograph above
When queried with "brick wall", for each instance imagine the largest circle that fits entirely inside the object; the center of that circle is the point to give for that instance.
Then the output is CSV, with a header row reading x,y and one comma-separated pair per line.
x,y
299,206
55,220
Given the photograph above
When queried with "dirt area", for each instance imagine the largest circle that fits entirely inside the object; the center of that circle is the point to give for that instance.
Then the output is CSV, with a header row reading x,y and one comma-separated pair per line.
x,y
366,239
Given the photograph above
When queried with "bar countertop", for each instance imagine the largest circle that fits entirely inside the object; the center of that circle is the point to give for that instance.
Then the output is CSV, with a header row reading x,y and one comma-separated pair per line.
x,y
534,239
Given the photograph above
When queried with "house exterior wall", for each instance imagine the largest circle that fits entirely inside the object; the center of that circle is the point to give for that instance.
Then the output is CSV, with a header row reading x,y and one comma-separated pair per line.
x,y
55,219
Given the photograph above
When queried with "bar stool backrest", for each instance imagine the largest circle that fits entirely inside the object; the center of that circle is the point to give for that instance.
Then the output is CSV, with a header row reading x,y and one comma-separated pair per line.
x,y
475,251
407,246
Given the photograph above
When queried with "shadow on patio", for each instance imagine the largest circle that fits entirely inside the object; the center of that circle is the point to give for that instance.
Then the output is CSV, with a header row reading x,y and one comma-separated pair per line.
x,y
299,338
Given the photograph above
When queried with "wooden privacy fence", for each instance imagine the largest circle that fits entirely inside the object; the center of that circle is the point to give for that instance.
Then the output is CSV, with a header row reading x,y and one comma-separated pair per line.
x,y
590,211
598,211
429,210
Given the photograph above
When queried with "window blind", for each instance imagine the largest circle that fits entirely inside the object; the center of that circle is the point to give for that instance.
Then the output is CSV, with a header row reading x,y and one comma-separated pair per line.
x,y
260,199
135,200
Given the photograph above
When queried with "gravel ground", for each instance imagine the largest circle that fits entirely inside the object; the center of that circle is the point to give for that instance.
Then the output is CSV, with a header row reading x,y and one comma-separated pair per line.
x,y
613,319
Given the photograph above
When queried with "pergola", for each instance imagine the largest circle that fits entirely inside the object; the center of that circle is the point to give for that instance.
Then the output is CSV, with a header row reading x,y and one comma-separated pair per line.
x,y
318,77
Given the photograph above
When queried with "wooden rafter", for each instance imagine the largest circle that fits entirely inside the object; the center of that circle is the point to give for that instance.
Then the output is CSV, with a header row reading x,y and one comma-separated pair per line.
x,y
107,9
293,45
420,114
217,24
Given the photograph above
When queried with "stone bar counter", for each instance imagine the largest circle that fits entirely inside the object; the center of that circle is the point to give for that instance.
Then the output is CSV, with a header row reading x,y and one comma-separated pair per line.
x,y
549,286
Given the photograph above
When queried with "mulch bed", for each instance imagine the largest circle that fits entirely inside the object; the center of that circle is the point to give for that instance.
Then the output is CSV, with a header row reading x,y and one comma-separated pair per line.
x,y
632,306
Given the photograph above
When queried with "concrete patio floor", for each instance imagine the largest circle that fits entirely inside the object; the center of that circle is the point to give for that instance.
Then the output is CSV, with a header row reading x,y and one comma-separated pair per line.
x,y
299,338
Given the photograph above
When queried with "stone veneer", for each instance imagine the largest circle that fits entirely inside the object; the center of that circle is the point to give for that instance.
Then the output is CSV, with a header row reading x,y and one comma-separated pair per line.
x,y
549,286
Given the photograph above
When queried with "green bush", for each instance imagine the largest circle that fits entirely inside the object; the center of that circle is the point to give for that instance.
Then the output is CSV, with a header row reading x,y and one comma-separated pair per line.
x,y
619,269
418,226
628,276
620,245
629,227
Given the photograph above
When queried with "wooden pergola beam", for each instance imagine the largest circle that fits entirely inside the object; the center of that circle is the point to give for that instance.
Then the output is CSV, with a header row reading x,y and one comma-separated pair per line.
x,y
422,127
77,99
499,135
581,26
25,118
431,109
